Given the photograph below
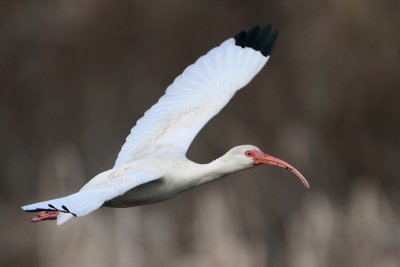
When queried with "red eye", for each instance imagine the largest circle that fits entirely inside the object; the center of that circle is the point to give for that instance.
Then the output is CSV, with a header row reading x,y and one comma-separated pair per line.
x,y
248,153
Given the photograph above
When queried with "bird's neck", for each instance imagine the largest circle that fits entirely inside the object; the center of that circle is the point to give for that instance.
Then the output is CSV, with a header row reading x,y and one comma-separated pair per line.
x,y
212,171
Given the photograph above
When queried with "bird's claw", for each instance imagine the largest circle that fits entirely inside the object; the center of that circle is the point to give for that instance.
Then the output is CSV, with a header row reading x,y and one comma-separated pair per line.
x,y
46,216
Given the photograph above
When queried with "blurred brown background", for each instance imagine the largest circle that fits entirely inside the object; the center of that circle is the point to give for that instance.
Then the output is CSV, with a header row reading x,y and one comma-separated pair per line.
x,y
75,76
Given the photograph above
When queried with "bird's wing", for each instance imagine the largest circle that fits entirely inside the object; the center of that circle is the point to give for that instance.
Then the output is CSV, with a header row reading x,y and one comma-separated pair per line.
x,y
93,197
198,94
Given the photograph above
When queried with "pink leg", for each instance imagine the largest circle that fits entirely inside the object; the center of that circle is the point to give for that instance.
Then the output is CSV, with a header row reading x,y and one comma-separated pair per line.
x,y
45,216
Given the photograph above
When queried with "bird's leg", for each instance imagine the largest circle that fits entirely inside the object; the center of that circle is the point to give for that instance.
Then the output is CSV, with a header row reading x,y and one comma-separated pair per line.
x,y
45,216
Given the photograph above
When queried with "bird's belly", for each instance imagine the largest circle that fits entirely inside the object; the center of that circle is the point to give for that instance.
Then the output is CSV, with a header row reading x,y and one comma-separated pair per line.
x,y
151,192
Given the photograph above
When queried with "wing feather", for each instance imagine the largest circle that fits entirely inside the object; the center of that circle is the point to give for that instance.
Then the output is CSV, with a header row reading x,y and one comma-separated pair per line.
x,y
197,95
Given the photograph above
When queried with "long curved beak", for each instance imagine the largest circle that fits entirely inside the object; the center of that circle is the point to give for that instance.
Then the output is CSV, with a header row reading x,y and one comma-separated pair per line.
x,y
261,158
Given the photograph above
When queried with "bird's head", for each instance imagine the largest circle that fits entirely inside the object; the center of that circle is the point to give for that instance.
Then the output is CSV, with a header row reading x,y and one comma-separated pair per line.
x,y
248,156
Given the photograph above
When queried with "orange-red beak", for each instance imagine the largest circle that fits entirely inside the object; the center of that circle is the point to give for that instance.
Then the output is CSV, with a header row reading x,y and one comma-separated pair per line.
x,y
261,158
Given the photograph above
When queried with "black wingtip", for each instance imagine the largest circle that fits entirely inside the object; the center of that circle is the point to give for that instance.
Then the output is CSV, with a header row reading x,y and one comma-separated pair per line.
x,y
65,208
260,39
240,39
37,210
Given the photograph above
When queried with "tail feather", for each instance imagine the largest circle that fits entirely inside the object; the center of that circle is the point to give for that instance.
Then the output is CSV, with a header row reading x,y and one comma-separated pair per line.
x,y
89,199
78,204
63,217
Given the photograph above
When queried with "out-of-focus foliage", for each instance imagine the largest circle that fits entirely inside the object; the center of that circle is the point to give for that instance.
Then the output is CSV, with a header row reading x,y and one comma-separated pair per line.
x,y
75,76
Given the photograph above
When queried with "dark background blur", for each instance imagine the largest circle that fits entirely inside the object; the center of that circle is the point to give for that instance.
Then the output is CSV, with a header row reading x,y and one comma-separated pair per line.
x,y
75,76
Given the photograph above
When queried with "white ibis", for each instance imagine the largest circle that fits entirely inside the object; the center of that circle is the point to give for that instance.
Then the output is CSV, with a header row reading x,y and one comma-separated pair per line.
x,y
152,165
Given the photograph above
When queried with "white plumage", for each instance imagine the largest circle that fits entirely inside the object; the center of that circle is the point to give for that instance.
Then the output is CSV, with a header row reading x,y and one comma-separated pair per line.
x,y
152,165
195,96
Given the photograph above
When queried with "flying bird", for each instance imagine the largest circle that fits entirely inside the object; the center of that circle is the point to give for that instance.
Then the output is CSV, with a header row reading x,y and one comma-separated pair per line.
x,y
152,164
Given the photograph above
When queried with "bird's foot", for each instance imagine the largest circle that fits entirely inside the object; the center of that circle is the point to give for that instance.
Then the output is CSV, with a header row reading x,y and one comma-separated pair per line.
x,y
45,216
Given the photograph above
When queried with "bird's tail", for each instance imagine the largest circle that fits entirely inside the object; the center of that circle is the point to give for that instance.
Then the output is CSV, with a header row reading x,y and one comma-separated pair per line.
x,y
75,205
63,217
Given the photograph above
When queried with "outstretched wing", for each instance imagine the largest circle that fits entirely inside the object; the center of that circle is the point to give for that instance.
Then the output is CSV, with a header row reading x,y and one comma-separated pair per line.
x,y
93,196
198,94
